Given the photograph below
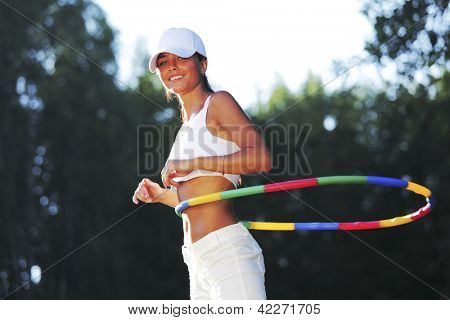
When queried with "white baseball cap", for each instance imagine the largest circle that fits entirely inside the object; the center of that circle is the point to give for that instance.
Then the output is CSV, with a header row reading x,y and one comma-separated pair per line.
x,y
180,41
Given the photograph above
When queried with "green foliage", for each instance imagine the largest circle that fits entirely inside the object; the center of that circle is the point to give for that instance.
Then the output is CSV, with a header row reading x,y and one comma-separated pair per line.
x,y
414,34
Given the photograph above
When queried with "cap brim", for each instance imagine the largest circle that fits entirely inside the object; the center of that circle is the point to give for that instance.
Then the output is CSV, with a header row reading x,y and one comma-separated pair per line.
x,y
181,52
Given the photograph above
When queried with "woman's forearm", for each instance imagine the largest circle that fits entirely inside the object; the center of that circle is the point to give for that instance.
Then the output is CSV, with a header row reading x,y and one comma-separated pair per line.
x,y
169,198
245,161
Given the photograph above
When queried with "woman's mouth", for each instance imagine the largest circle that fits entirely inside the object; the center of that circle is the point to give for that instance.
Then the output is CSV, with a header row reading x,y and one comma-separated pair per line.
x,y
175,78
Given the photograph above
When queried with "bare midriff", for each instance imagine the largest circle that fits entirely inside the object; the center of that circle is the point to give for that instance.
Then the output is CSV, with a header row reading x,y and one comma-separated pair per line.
x,y
200,220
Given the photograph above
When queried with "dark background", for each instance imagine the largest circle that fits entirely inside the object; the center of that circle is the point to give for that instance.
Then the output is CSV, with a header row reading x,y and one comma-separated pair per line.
x,y
69,154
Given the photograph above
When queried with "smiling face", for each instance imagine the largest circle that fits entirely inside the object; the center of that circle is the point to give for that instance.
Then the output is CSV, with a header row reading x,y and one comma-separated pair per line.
x,y
180,75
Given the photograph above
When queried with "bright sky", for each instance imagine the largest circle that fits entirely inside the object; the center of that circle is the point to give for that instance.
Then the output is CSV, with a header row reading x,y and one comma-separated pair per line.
x,y
249,43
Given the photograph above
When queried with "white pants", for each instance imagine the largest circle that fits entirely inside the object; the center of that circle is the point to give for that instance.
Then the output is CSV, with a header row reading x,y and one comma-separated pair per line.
x,y
226,264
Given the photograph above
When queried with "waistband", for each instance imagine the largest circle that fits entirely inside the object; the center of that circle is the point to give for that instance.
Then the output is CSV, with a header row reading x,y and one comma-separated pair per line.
x,y
215,238
233,178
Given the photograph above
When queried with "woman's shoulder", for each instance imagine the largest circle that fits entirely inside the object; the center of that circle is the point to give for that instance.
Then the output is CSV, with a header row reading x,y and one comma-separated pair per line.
x,y
223,97
221,101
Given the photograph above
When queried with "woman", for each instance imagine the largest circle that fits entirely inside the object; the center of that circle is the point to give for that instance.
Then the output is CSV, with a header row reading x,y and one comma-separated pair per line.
x,y
216,143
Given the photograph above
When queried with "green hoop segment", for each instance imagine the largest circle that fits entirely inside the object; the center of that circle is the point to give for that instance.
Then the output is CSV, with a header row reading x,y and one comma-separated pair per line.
x,y
315,182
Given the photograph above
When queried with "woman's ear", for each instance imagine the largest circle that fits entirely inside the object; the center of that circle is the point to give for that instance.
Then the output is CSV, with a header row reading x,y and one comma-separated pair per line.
x,y
203,66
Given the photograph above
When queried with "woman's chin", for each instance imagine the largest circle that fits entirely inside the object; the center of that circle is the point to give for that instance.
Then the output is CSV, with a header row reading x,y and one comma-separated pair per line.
x,y
178,89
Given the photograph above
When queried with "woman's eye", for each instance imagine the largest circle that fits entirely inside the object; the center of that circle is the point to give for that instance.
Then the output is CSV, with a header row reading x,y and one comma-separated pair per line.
x,y
162,63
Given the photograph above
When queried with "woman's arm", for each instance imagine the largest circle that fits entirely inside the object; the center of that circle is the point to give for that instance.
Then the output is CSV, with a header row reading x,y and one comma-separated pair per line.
x,y
253,156
169,197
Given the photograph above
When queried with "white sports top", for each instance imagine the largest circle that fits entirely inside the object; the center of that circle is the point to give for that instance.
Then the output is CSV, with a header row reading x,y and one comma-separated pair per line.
x,y
195,140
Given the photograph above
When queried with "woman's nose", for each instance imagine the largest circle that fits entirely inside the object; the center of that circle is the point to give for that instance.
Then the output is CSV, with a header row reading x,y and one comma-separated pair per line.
x,y
172,65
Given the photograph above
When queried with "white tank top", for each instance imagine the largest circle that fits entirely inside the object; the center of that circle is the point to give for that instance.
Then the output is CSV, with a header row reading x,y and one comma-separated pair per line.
x,y
195,140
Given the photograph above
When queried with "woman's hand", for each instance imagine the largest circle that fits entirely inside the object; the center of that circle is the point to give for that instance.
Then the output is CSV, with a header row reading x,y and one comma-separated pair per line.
x,y
148,192
175,168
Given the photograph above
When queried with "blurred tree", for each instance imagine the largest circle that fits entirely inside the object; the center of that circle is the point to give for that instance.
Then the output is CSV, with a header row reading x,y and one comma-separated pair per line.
x,y
68,155
21,67
413,34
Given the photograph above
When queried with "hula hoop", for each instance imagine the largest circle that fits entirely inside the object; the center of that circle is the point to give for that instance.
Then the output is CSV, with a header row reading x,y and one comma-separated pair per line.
x,y
315,182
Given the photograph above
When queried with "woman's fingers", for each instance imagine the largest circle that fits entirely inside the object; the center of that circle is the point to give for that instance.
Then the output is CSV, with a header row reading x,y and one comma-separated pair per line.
x,y
175,184
167,181
137,197
171,181
168,168
148,191
143,198
141,192
150,188
164,180
163,176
